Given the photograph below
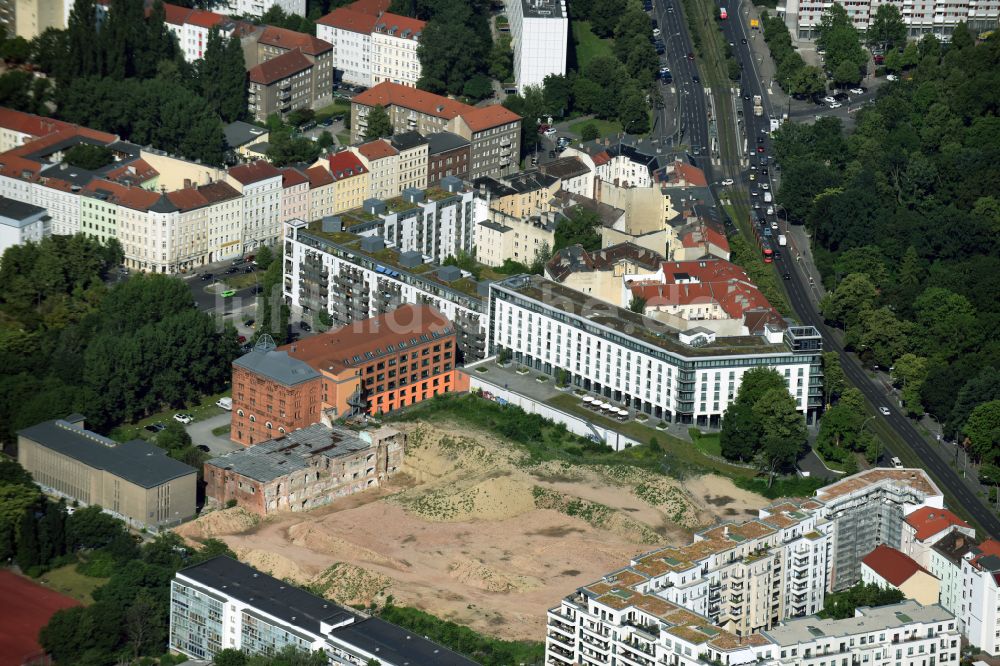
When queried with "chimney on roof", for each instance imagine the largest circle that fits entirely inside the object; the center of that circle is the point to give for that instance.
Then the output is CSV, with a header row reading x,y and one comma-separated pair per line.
x,y
187,184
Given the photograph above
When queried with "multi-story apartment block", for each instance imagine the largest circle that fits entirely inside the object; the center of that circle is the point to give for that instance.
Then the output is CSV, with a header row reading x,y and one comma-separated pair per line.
x,y
447,155
867,510
321,192
352,182
373,365
574,176
261,7
294,194
925,527
372,45
191,28
259,183
394,50
222,603
135,481
304,469
539,31
382,161
22,223
904,634
677,376
208,220
354,278
494,132
412,149
293,71
979,606
937,18
946,565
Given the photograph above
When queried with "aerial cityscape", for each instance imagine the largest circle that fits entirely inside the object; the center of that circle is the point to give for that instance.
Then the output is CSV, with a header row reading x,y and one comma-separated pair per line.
x,y
499,332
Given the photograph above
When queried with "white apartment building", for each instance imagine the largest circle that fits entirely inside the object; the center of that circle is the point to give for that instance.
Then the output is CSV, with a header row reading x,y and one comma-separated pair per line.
x,y
191,28
680,377
260,7
294,194
22,223
437,223
937,18
371,46
354,278
946,565
260,185
539,31
904,634
979,607
412,162
382,161
867,510
925,527
394,50
62,203
222,603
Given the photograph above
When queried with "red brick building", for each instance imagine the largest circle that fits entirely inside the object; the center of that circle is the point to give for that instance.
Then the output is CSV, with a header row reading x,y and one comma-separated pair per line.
x,y
371,366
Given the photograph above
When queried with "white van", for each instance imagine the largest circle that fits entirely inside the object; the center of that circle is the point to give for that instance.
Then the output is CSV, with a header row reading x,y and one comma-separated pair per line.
x,y
225,403
768,198
897,463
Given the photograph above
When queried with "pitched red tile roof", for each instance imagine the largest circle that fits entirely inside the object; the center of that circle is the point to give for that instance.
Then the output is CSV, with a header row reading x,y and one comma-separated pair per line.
x,y
345,18
706,233
205,19
279,68
346,164
485,117
691,174
373,7
191,198
254,172
928,521
289,39
174,14
29,123
318,177
394,94
376,150
601,158
396,25
290,177
892,565
136,171
135,198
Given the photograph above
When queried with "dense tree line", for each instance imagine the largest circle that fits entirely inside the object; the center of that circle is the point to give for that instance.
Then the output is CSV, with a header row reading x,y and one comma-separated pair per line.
x,y
272,311
762,424
793,75
288,656
69,342
128,76
581,227
845,59
905,221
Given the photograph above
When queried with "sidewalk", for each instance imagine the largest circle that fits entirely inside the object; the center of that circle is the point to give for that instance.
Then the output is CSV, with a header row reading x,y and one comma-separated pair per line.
x,y
776,102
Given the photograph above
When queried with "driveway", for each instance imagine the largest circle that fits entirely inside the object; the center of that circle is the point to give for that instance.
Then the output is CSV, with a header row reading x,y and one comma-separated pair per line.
x,y
201,435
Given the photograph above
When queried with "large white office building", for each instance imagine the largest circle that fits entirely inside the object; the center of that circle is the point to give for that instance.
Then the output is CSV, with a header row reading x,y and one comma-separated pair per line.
x,y
222,603
937,17
677,376
539,31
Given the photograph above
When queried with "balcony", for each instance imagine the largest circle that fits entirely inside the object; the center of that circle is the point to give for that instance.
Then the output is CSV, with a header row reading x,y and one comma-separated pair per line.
x,y
557,639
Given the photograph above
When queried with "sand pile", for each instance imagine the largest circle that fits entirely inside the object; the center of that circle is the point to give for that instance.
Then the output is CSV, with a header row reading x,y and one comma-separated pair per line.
x,y
351,585
314,537
495,498
272,563
478,575
220,523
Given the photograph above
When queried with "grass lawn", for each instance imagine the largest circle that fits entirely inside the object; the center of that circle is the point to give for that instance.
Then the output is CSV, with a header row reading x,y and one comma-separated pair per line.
x,y
72,583
706,442
344,138
221,430
241,280
588,45
673,447
200,411
341,106
606,128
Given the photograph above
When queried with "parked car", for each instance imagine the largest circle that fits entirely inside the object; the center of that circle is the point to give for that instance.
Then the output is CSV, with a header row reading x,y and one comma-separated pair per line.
x,y
241,339
891,77
206,277
202,447
836,105
857,91
249,323
305,326
829,99
326,122
841,97
550,131
884,411
897,463
765,187
656,32
727,182
183,418
156,427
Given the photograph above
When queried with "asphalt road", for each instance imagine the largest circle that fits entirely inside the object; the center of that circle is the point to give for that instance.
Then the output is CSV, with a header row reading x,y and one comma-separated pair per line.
x,y
692,110
799,286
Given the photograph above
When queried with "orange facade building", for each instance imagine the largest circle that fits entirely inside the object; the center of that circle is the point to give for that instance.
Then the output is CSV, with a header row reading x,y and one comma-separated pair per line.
x,y
372,366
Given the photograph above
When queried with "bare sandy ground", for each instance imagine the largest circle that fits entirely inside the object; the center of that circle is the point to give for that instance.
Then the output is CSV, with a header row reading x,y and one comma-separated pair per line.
x,y
473,533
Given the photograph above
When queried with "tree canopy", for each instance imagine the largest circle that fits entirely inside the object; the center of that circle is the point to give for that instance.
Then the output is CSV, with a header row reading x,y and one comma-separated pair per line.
x,y
379,124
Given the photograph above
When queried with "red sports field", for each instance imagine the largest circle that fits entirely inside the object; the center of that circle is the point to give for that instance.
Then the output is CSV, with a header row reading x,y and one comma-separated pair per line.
x,y
25,607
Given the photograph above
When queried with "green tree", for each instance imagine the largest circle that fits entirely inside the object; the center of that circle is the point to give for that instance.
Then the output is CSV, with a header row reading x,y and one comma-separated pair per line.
x,y
379,124
909,372
15,501
808,80
756,383
16,50
478,87
984,387
887,28
52,531
633,111
846,73
326,140
982,430
834,380
28,549
557,91
230,657
853,295
501,59
579,227
783,431
842,605
264,258
840,428
88,156
740,433
589,132
637,304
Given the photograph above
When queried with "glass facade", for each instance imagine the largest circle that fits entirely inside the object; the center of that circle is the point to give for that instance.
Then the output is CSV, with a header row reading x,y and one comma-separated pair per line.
x,y
259,636
195,621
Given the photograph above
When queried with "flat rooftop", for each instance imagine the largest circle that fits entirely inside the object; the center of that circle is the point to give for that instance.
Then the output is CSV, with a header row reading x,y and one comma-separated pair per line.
x,y
916,479
632,324
895,616
543,9
279,457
